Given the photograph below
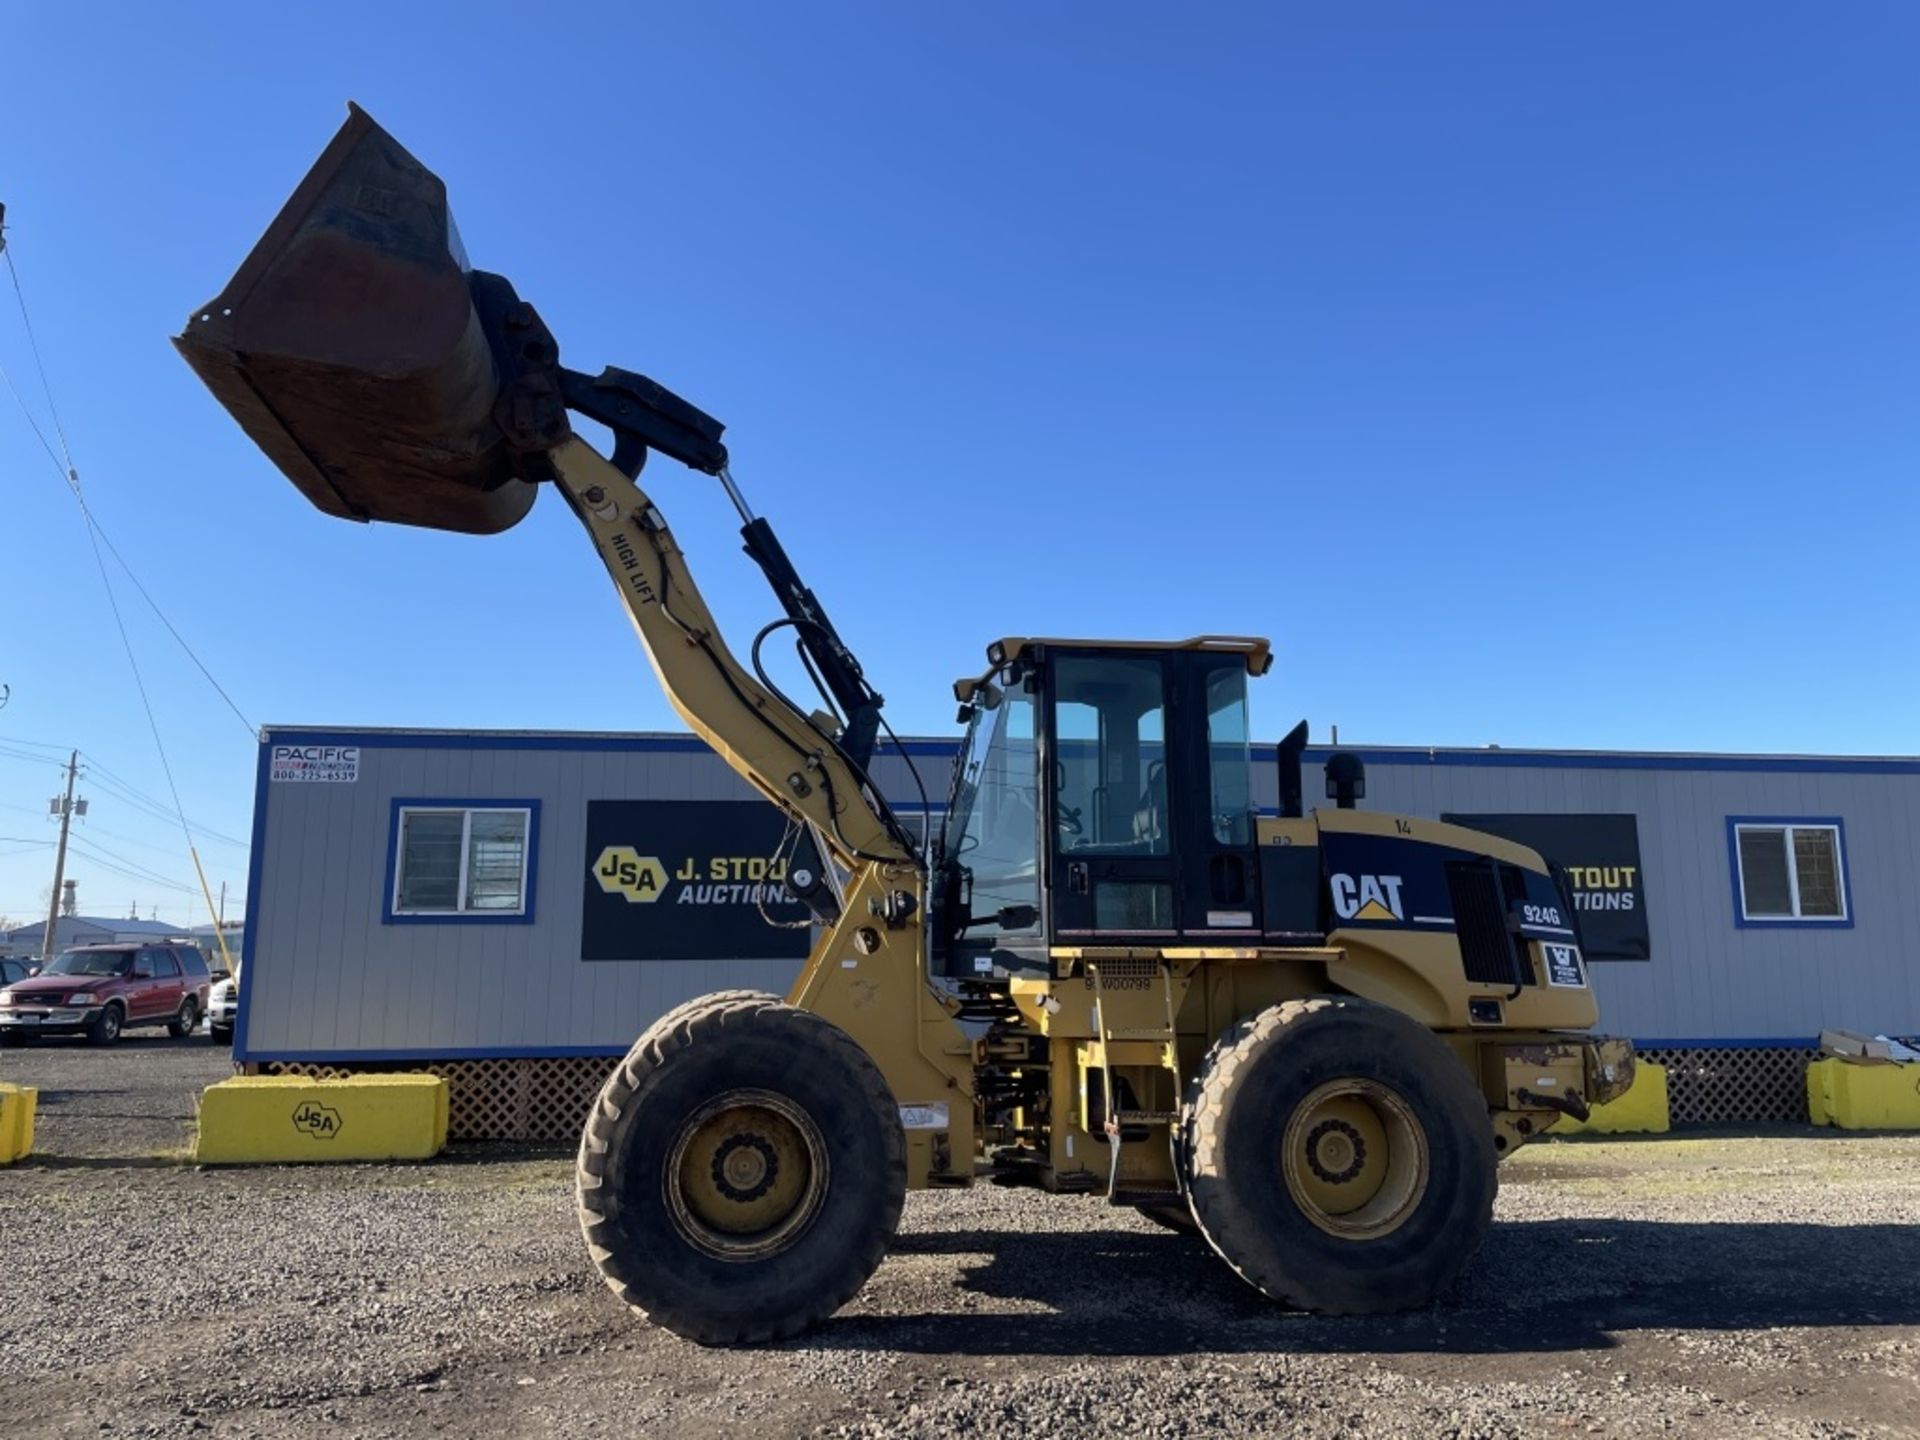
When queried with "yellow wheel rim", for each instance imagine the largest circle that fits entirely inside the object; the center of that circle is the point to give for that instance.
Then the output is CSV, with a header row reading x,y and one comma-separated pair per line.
x,y
1354,1157
746,1175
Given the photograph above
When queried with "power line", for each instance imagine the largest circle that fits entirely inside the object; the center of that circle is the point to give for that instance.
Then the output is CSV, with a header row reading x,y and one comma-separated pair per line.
x,y
72,477
89,828
132,870
122,790
70,473
146,805
33,344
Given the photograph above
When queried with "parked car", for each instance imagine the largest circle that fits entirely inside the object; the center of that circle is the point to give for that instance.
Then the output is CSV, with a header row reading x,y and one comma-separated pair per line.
x,y
17,969
100,990
222,1009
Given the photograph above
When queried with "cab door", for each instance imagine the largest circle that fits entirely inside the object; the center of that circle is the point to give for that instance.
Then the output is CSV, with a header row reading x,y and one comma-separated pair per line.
x,y
1219,891
1111,819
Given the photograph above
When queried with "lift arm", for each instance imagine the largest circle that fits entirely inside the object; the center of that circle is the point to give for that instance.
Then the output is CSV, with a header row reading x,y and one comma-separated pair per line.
x,y
759,735
812,774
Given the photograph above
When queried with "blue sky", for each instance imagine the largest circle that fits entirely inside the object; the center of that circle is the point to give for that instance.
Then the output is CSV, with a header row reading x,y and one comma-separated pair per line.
x,y
1532,374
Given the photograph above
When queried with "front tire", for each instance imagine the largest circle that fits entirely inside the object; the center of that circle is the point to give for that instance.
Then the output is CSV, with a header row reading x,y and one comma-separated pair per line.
x,y
106,1026
1341,1159
742,1172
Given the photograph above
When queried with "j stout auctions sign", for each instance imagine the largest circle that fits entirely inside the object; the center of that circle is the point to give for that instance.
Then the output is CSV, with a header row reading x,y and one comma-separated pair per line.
x,y
686,880
1601,854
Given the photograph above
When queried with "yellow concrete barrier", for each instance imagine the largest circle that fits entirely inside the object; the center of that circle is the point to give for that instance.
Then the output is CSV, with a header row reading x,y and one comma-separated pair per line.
x,y
294,1119
1863,1097
1641,1111
17,1103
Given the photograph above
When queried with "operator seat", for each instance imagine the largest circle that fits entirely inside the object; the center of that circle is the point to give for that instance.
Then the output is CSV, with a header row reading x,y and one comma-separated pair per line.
x,y
1150,819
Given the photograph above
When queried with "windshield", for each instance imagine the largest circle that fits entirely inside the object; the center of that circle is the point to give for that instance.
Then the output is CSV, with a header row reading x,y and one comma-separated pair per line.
x,y
992,831
968,766
92,962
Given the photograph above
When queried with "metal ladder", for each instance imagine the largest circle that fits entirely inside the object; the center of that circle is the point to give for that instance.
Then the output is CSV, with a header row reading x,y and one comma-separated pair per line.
x,y
1135,1191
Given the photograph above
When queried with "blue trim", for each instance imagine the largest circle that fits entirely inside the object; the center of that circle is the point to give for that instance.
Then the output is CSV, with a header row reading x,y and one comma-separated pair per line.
x,y
1590,760
487,802
1753,1042
256,861
646,744
481,1052
1378,755
1741,920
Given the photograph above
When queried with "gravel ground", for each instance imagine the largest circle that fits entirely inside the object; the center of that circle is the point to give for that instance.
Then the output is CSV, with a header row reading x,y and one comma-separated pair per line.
x,y
1700,1287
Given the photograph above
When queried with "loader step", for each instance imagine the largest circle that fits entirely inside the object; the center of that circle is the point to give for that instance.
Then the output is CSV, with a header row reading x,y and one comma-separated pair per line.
x,y
1147,1192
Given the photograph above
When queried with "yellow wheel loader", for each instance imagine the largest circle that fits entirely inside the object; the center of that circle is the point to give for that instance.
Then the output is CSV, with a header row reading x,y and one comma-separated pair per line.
x,y
1310,1037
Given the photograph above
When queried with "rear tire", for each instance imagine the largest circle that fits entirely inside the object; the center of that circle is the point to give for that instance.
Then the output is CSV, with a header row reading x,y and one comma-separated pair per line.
x,y
106,1026
187,1021
1341,1159
742,1171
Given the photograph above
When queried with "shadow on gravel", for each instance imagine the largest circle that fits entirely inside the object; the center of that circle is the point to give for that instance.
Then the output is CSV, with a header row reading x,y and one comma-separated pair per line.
x,y
1536,1286
40,1161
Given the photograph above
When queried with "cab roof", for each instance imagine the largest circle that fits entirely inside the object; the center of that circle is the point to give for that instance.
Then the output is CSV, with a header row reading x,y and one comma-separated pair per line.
x,y
1255,650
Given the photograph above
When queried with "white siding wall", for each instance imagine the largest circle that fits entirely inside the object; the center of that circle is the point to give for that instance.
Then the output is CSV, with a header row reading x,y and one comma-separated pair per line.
x,y
328,977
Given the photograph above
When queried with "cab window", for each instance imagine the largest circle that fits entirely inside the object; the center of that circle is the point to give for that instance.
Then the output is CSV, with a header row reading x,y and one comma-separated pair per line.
x,y
1110,764
1230,755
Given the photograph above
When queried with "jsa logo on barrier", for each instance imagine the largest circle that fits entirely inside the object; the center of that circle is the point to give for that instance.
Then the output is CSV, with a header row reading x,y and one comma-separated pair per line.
x,y
1366,897
322,1122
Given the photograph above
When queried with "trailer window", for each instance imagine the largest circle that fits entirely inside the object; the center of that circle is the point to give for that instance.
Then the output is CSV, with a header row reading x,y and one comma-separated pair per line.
x,y
1789,872
462,862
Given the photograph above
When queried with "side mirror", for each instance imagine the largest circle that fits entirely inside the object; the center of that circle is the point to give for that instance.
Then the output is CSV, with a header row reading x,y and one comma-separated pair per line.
x,y
1017,917
142,970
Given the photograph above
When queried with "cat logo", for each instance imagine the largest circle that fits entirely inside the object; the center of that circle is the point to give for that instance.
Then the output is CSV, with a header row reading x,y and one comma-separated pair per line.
x,y
1366,897
621,870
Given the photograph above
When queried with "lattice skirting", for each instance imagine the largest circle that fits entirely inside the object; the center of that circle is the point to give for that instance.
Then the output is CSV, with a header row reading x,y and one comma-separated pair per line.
x,y
546,1099
1735,1086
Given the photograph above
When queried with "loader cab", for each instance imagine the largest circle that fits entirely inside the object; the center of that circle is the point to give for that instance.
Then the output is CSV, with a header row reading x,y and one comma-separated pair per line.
x,y
1103,795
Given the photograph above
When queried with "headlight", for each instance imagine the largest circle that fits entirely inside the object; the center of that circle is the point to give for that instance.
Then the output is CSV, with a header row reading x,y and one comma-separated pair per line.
x,y
6,997
82,999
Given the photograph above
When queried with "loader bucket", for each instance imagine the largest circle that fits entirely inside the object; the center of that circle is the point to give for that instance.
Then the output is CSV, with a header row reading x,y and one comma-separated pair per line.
x,y
348,347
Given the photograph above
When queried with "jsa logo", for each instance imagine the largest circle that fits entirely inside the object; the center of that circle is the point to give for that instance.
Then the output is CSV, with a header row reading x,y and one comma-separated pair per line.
x,y
622,870
1366,897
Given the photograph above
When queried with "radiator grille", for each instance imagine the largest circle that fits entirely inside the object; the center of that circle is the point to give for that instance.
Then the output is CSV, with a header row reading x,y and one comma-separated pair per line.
x,y
1487,952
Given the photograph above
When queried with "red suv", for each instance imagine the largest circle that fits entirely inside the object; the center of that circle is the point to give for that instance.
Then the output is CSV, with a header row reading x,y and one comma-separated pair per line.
x,y
100,990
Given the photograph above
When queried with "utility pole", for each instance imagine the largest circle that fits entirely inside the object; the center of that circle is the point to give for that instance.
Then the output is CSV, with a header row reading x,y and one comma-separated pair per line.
x,y
65,807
